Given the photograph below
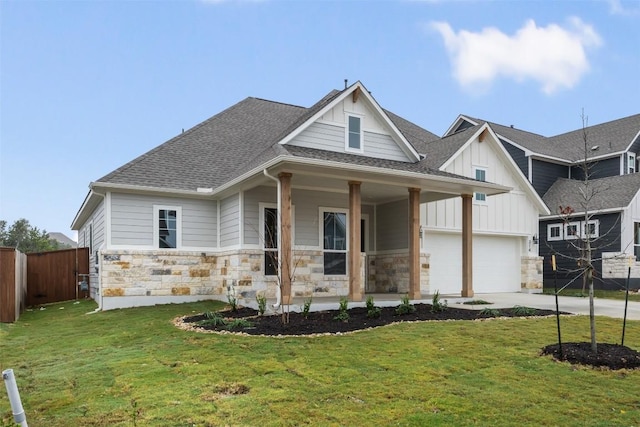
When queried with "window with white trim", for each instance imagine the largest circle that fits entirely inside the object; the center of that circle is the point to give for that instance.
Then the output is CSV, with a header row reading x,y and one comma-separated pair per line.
x,y
591,228
631,163
572,230
554,232
354,134
636,240
480,175
167,229
334,237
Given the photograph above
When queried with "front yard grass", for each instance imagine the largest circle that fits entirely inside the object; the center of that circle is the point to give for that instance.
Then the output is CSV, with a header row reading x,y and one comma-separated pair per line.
x,y
133,367
598,293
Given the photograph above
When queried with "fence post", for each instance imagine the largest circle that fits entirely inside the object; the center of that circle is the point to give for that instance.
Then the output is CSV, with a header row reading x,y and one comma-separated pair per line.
x,y
14,397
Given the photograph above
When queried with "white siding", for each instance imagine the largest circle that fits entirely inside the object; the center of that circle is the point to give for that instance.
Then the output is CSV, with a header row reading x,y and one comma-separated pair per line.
x,y
392,224
97,219
629,216
252,200
329,133
132,220
511,213
230,221
307,205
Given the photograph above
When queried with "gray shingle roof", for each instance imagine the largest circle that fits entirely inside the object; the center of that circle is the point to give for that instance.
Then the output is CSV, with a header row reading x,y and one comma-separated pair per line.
x,y
440,150
605,193
611,137
239,139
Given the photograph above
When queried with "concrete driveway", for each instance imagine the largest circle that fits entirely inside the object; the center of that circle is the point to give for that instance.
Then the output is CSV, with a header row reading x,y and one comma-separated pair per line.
x,y
575,305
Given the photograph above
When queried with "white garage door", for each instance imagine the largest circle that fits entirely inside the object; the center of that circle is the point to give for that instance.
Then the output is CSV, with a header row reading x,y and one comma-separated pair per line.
x,y
496,263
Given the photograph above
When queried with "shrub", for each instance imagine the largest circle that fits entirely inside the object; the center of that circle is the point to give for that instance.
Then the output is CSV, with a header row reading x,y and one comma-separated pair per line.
x,y
239,324
262,303
343,315
477,302
306,307
490,312
523,311
231,298
436,304
372,310
212,319
405,306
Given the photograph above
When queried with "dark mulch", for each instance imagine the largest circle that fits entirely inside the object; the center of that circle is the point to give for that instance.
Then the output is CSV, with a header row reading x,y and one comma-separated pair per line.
x,y
612,356
323,322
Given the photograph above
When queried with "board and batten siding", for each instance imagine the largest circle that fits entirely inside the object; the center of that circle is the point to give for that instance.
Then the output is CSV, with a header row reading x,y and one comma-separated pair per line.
x,y
230,221
630,215
132,220
392,225
544,174
510,213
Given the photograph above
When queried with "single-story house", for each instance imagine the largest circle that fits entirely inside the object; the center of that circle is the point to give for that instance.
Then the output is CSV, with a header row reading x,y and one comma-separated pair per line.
x,y
340,198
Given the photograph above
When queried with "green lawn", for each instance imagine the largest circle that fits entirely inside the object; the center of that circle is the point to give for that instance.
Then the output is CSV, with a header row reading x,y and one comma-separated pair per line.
x,y
133,367
598,293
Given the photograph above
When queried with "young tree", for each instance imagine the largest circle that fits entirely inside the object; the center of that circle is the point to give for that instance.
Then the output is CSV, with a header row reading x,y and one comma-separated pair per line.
x,y
26,238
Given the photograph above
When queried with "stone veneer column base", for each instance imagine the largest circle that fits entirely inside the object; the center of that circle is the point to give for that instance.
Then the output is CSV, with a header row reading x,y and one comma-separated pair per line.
x,y
531,274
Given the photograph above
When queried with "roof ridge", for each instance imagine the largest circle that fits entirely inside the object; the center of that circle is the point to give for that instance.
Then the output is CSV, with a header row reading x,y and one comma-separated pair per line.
x,y
610,122
275,102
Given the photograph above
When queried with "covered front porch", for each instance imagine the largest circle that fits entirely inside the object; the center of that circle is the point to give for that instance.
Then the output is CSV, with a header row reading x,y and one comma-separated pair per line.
x,y
381,205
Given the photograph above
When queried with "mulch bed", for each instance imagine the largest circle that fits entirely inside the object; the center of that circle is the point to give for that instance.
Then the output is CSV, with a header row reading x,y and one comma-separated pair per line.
x,y
610,356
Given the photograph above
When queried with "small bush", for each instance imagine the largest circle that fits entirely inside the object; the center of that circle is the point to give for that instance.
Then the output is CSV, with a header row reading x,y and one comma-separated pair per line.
x,y
306,307
212,319
405,306
490,312
238,324
262,303
231,298
436,304
372,310
523,311
343,316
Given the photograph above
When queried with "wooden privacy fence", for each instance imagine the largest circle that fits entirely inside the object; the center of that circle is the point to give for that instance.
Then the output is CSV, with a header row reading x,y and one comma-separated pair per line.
x,y
51,276
13,284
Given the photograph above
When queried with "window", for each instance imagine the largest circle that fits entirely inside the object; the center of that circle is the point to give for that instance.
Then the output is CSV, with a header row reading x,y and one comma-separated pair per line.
x,y
591,228
631,163
354,133
481,175
167,230
334,233
554,232
572,230
636,240
270,239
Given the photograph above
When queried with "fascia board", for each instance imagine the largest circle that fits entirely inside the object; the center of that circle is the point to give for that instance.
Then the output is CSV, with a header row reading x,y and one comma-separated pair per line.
x,y
595,212
463,147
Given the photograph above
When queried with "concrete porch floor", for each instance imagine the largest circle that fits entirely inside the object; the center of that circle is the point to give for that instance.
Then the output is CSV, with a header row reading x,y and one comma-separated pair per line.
x,y
575,305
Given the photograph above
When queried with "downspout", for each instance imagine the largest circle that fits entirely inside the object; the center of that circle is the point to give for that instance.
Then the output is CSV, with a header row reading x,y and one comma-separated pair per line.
x,y
276,306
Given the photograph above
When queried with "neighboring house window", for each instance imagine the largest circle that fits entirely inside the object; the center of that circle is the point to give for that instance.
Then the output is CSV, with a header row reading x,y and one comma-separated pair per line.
x,y
270,221
334,233
354,134
554,232
481,175
636,240
168,225
631,163
591,228
572,230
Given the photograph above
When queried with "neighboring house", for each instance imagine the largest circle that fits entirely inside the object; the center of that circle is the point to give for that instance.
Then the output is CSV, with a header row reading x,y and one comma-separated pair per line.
x,y
319,201
556,166
63,240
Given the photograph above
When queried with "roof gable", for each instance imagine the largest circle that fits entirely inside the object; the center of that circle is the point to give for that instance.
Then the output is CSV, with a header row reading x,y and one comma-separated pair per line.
x,y
324,127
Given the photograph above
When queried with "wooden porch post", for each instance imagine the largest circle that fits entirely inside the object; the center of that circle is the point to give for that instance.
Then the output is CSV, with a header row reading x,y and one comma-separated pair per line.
x,y
414,243
285,236
355,285
467,246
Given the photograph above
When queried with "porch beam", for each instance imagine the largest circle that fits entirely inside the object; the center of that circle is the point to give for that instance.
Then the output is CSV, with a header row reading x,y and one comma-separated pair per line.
x,y
467,246
414,243
355,212
285,237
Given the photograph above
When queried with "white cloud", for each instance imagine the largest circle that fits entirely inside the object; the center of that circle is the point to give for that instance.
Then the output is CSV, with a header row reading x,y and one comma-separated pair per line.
x,y
617,8
554,56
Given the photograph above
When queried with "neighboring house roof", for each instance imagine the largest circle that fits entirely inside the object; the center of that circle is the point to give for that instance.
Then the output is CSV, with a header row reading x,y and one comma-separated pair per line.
x,y
611,138
63,239
610,193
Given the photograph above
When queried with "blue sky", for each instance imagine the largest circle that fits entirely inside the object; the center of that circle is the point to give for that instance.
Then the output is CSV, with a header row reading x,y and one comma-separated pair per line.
x,y
86,86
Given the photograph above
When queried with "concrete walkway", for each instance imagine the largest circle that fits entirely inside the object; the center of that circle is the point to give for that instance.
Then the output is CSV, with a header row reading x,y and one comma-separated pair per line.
x,y
575,305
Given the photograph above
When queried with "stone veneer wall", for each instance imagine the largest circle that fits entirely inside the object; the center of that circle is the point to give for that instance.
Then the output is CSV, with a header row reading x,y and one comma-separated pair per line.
x,y
389,273
201,275
616,266
531,274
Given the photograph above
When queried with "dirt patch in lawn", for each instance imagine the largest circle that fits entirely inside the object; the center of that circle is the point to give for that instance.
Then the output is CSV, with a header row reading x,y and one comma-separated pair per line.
x,y
612,356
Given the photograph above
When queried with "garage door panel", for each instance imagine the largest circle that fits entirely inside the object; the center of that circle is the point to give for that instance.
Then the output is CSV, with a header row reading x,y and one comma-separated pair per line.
x,y
496,263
